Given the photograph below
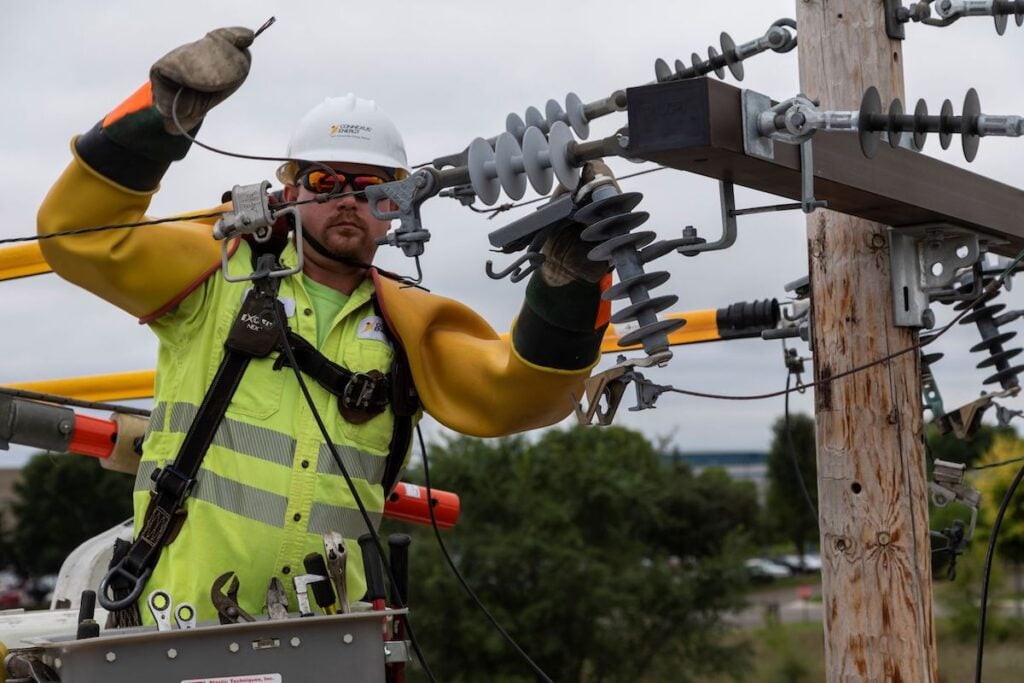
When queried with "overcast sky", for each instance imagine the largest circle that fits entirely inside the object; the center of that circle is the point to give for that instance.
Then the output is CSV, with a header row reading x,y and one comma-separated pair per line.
x,y
447,72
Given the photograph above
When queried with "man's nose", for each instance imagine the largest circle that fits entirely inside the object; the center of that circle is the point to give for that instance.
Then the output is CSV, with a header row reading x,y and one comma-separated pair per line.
x,y
348,197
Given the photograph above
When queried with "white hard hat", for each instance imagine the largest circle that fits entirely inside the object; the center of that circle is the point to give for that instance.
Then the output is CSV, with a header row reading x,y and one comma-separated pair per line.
x,y
345,129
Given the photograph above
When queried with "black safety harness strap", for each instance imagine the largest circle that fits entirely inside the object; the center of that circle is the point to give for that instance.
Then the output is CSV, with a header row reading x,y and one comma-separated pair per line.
x,y
254,334
356,391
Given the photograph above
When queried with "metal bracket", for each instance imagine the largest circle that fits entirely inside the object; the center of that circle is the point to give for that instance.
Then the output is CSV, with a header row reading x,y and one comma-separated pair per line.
x,y
751,105
754,107
610,385
948,486
408,195
893,24
924,262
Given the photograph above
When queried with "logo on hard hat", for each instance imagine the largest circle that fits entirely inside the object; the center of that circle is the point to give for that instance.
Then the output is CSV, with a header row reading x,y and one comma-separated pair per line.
x,y
350,130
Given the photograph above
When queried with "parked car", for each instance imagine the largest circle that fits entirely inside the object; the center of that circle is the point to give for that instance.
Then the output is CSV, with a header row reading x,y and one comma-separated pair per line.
x,y
801,564
763,569
11,598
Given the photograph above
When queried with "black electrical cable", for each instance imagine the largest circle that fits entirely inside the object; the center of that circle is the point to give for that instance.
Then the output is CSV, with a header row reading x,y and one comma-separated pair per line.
x,y
397,599
990,553
792,456
458,575
1001,463
987,291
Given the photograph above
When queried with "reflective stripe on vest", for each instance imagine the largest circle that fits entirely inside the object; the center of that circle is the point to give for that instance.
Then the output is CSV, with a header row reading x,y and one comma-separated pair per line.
x,y
268,487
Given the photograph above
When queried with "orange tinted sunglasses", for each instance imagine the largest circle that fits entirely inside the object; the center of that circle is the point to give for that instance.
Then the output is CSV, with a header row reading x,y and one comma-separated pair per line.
x,y
322,182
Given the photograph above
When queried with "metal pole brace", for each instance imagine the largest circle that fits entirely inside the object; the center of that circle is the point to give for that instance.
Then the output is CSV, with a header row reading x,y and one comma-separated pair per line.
x,y
924,262
948,486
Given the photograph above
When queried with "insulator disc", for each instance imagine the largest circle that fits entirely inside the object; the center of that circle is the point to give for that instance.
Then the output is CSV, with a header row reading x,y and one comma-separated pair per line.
x,y
698,64
1006,378
895,136
945,135
920,134
997,340
648,331
536,160
662,71
982,312
508,159
576,112
712,55
1006,355
729,50
482,176
1001,21
620,290
681,66
870,105
1019,17
514,125
535,118
633,240
614,226
635,311
968,129
559,138
931,358
608,207
553,112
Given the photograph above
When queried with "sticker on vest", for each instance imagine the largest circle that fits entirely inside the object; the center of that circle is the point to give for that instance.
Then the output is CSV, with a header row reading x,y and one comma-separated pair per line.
x,y
251,678
372,327
287,302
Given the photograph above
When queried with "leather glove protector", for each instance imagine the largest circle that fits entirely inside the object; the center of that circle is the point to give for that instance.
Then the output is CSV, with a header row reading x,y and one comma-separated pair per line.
x,y
565,253
206,71
563,318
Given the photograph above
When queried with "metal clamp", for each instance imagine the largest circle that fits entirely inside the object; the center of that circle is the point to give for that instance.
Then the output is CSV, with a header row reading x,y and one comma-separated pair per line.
x,y
948,486
251,215
408,195
925,262
609,386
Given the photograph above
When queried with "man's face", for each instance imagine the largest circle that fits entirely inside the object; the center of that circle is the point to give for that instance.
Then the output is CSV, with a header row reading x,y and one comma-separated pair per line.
x,y
345,225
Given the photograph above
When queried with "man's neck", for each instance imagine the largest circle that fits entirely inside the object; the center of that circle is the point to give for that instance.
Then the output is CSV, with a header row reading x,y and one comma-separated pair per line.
x,y
343,278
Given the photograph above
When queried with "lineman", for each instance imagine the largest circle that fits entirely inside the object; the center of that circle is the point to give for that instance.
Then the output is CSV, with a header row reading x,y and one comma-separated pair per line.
x,y
268,486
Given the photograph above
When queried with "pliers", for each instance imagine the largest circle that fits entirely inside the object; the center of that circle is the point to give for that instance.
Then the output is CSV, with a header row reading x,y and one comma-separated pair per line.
x,y
226,602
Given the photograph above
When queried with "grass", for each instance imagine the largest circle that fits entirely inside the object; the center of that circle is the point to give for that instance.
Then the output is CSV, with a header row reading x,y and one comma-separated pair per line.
x,y
794,653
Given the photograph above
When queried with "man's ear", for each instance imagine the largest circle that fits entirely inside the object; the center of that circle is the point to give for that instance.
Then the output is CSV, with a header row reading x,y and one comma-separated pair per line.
x,y
291,193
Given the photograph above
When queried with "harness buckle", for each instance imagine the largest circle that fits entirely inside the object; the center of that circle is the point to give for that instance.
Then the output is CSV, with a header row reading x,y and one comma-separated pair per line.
x,y
170,481
361,390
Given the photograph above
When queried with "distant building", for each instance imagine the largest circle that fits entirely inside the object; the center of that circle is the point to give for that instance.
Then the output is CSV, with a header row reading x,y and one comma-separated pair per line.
x,y
740,465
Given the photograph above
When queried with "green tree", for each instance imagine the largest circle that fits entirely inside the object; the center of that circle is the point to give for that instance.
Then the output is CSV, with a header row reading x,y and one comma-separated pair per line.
x,y
787,504
60,501
567,543
993,483
948,447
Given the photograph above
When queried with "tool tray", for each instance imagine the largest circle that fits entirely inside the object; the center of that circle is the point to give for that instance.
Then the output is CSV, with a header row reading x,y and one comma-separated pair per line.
x,y
349,647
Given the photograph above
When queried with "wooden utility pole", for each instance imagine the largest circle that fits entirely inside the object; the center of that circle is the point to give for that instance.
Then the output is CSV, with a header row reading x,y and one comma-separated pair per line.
x,y
872,491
